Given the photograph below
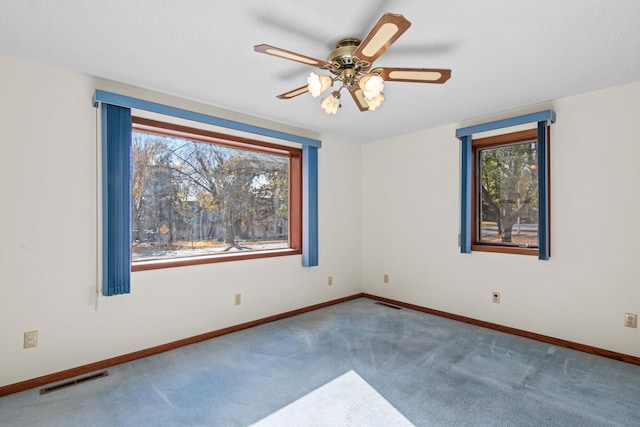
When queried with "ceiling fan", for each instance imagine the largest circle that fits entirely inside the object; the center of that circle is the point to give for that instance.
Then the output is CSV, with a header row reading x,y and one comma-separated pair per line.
x,y
351,61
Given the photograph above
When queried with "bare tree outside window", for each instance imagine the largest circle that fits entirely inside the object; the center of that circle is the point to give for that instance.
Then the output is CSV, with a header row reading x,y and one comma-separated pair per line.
x,y
199,198
508,184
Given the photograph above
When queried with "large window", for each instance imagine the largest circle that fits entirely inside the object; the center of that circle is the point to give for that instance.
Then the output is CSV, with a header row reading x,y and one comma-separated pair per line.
x,y
185,217
199,196
505,193
502,196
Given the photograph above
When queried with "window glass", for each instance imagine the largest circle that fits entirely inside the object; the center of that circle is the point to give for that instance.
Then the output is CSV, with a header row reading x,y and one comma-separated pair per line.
x,y
508,194
504,197
196,198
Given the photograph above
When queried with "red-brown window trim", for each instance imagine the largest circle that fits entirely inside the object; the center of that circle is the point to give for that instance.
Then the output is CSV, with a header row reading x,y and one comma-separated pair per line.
x,y
494,141
295,191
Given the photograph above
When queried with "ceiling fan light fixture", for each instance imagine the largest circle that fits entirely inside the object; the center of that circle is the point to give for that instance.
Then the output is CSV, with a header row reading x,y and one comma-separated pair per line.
x,y
371,85
318,84
331,103
376,102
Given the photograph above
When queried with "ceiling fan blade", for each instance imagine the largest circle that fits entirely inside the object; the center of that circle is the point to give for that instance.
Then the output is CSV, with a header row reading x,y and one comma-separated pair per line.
x,y
295,92
276,51
358,97
386,31
416,75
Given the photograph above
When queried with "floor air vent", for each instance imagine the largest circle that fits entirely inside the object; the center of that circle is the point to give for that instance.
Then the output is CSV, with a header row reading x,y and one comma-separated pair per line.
x,y
389,305
73,382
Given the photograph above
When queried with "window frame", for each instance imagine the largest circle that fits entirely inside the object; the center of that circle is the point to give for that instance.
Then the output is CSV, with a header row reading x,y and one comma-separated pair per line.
x,y
208,136
494,142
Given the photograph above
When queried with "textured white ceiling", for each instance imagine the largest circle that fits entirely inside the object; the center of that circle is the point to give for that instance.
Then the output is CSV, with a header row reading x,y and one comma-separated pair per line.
x,y
504,54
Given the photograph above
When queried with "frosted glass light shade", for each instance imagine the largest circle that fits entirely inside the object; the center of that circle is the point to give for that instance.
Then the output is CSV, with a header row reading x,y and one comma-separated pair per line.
x,y
330,104
376,102
371,85
318,84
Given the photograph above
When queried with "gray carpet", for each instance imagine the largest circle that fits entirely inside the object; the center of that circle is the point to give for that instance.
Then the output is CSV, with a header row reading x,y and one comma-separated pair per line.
x,y
433,371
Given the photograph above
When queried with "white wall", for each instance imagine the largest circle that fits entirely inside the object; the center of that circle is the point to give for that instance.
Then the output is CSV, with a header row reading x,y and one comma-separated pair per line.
x,y
48,251
411,223
409,215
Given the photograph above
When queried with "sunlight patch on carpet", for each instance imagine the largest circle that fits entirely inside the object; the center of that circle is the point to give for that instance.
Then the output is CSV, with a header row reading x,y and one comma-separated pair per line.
x,y
346,401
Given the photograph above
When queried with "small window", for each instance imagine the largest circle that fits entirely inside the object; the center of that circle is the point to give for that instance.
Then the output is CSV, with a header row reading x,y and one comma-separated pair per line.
x,y
200,196
505,193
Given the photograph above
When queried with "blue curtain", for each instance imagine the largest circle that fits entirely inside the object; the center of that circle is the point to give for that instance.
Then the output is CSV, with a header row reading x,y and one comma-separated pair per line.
x,y
116,199
309,206
465,193
543,192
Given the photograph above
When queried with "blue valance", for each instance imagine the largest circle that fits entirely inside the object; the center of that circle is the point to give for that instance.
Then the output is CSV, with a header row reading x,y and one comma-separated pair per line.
x,y
140,104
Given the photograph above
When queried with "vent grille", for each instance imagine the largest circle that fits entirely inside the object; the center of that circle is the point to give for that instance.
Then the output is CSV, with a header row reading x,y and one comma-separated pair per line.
x,y
71,383
389,305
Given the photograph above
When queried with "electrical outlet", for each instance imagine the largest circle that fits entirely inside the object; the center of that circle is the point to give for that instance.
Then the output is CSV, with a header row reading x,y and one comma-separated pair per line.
x,y
630,320
330,281
30,339
237,299
495,297
386,278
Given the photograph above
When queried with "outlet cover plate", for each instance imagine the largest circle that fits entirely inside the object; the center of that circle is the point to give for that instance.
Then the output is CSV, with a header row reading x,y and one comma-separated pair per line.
x,y
631,320
30,339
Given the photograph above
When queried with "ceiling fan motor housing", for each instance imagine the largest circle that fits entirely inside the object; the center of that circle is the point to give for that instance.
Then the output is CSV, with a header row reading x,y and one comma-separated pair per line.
x,y
342,55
